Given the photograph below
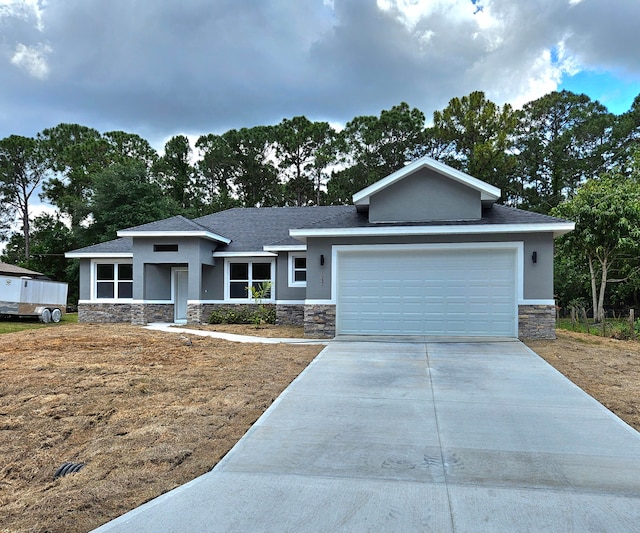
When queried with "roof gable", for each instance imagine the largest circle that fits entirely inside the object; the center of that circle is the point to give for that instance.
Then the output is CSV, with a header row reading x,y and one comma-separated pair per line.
x,y
488,193
177,226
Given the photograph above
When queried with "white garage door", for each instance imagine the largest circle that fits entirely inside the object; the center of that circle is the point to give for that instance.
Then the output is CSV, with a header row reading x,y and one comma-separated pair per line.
x,y
459,292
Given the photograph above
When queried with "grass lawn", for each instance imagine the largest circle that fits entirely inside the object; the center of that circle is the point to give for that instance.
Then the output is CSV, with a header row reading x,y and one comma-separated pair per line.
x,y
12,325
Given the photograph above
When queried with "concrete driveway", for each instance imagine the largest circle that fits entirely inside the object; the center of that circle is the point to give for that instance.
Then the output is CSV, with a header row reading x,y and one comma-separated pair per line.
x,y
418,436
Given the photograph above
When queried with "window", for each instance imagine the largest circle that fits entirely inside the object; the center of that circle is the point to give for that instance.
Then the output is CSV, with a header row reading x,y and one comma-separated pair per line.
x,y
245,274
114,280
165,247
297,270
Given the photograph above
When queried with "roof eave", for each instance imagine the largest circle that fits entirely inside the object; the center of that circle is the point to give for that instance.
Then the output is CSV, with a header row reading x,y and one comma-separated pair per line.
x,y
155,234
557,228
98,255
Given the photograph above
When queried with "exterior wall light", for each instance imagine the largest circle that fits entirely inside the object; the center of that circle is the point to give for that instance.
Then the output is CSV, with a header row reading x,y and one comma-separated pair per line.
x,y
534,257
321,259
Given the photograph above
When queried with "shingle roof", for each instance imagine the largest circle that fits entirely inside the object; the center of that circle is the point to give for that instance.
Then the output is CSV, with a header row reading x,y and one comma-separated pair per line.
x,y
177,223
13,270
250,229
123,245
496,214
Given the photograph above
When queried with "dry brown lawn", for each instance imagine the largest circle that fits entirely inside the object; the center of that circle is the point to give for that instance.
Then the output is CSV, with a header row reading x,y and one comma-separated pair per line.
x,y
144,411
607,369
148,411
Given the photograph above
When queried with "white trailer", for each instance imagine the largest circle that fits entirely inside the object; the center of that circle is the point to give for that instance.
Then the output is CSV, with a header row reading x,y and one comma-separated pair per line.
x,y
26,296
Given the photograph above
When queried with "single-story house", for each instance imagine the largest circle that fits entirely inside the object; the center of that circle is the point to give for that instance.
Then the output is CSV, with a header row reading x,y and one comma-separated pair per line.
x,y
424,251
7,269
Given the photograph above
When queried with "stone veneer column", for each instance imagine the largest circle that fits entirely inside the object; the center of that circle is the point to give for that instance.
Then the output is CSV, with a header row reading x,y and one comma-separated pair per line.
x,y
537,321
290,315
320,321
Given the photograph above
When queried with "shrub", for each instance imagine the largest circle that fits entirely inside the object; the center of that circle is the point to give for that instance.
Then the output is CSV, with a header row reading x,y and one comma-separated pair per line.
x,y
263,314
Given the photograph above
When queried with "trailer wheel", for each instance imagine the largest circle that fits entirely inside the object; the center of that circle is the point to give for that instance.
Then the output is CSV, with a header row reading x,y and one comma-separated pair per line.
x,y
45,316
56,315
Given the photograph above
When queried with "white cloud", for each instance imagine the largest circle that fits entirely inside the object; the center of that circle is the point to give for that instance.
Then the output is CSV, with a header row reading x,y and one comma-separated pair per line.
x,y
25,10
32,59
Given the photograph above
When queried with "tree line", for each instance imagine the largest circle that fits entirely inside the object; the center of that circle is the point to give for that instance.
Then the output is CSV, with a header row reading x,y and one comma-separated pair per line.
x,y
539,156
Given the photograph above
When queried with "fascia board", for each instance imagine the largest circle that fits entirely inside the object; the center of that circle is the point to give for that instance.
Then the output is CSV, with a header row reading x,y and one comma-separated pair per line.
x,y
245,254
286,248
156,234
487,192
557,229
98,255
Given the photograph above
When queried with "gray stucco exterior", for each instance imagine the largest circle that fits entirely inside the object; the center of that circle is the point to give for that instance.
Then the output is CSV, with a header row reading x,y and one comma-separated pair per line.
x,y
425,191
537,277
181,268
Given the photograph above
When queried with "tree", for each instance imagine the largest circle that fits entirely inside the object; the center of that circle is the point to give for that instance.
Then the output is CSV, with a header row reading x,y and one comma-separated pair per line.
x,y
74,153
22,169
561,138
217,165
477,138
124,147
124,197
302,148
371,147
50,239
606,212
175,174
255,176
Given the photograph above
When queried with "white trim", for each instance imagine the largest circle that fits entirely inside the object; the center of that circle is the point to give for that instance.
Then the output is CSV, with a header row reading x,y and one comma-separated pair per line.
x,y
221,302
244,254
94,279
103,255
169,233
487,192
285,248
518,246
558,228
292,256
310,301
227,281
537,302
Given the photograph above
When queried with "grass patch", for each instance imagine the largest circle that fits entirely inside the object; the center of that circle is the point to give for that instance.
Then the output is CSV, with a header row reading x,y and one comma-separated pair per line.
x,y
13,325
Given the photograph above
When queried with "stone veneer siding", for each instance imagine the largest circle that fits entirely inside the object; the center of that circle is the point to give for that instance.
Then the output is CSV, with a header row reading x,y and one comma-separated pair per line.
x,y
104,313
148,313
290,315
537,321
320,321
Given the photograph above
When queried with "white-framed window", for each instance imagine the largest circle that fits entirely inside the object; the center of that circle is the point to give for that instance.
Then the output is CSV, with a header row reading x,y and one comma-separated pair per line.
x,y
241,274
113,281
297,269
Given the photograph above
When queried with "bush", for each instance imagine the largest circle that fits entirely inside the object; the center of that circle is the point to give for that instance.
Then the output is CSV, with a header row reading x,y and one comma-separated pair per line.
x,y
263,314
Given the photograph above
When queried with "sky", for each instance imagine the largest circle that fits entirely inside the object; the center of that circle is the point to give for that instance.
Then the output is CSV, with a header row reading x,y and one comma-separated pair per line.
x,y
162,68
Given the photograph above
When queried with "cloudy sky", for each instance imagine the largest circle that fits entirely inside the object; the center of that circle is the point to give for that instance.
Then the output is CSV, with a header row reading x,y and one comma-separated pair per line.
x,y
159,68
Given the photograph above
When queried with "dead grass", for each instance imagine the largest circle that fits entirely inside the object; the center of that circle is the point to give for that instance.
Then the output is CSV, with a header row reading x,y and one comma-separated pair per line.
x,y
607,369
145,411
148,411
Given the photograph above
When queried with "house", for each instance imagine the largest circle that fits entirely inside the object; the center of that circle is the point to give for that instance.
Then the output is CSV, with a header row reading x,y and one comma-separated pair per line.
x,y
424,251
15,271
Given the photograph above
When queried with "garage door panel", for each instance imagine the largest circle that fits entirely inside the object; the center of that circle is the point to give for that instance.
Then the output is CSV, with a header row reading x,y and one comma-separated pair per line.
x,y
429,292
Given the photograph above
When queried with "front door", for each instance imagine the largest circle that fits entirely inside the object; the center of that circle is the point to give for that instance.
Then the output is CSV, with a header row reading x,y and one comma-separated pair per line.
x,y
180,289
